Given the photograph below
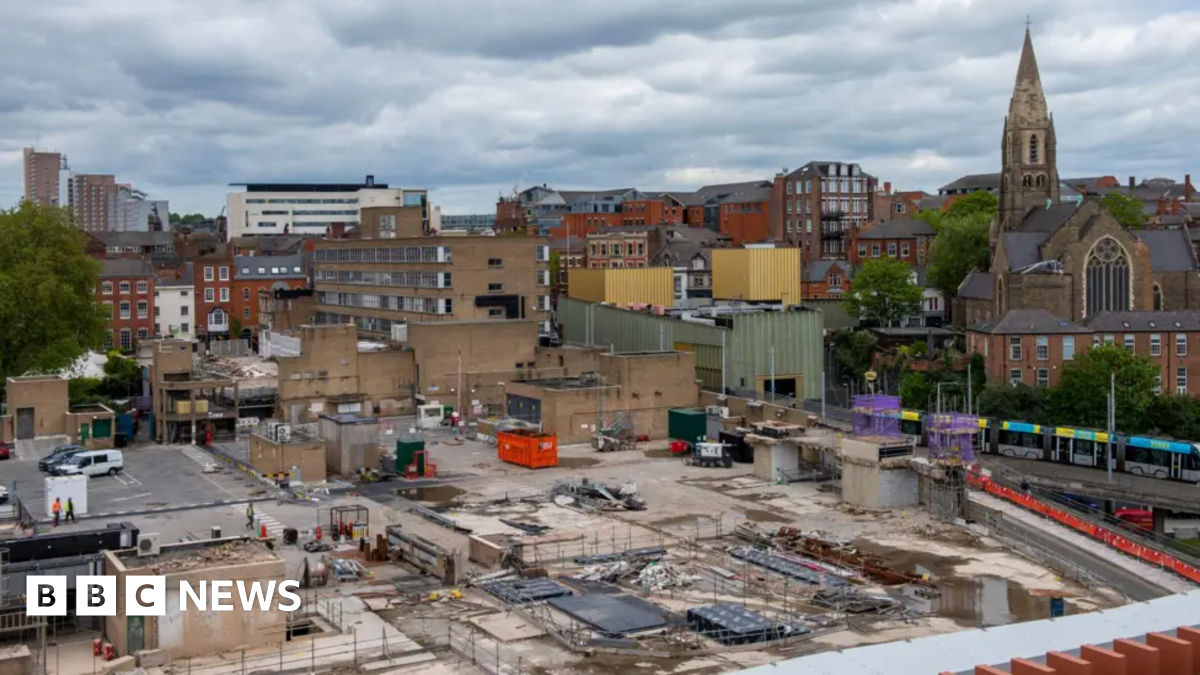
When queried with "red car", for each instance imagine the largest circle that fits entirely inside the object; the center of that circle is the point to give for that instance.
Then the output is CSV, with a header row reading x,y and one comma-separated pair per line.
x,y
5,450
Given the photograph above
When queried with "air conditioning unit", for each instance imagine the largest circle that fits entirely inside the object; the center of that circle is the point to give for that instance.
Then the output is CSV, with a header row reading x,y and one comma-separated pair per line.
x,y
717,411
283,434
273,430
148,544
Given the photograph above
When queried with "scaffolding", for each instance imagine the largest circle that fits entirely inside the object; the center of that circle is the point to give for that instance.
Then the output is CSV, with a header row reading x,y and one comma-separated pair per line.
x,y
876,415
952,438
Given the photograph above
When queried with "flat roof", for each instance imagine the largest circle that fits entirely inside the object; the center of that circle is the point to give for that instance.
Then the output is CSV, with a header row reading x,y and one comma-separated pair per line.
x,y
309,187
177,558
960,652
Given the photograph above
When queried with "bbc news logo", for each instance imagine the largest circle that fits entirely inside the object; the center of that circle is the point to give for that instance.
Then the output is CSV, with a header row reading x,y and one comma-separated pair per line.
x,y
147,596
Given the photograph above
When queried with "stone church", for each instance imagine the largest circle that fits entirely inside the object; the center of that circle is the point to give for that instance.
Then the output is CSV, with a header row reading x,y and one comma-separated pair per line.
x,y
1072,259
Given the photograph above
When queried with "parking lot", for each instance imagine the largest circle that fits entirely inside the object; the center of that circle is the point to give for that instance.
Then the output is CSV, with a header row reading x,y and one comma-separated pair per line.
x,y
155,477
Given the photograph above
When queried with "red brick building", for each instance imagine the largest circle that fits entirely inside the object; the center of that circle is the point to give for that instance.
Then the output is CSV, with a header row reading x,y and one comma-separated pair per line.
x,y
1031,346
126,293
746,216
620,247
213,273
254,273
826,280
820,206
908,240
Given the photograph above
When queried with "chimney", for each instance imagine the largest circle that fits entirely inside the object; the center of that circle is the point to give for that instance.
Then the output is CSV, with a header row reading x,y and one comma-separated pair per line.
x,y
337,231
1162,206
1187,188
887,188
1132,181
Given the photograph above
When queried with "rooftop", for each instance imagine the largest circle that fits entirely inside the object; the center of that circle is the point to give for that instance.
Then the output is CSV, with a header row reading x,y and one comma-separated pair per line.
x,y
125,268
899,229
1186,320
179,558
1028,321
268,267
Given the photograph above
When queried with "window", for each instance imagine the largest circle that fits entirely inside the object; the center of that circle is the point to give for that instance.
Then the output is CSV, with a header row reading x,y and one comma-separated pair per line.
x,y
1068,344
1043,347
1033,149
1108,339
899,208
495,313
245,294
108,339
1156,345
208,274
245,270
123,287
1158,383
1107,278
106,310
1129,342
874,250
1095,340
1158,300
183,327
143,309
106,288
224,274
904,249
143,287
209,295
126,339
224,295
1043,377
245,312
495,288
1014,348
1181,381
1181,344
183,311
892,249
835,280
158,329
1014,376
497,262
123,309
862,250
142,334
183,294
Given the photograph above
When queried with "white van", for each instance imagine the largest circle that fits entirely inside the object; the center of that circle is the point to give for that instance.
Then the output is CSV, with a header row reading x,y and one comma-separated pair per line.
x,y
92,463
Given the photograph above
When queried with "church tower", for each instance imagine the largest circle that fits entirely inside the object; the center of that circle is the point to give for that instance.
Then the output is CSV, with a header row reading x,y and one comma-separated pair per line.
x,y
1029,173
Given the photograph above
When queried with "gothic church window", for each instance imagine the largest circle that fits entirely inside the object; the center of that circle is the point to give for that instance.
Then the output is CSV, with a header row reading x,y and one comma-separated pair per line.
x,y
1027,181
1107,278
1158,298
1033,149
1041,180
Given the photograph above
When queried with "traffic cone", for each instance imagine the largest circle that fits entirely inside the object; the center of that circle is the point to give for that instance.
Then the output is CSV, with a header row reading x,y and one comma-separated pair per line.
x,y
318,533
262,530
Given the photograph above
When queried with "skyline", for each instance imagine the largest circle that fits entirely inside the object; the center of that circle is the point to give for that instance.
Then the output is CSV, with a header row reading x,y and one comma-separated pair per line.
x,y
613,94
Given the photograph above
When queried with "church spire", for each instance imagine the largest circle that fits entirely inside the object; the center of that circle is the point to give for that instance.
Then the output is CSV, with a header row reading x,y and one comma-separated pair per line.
x,y
1027,71
1029,153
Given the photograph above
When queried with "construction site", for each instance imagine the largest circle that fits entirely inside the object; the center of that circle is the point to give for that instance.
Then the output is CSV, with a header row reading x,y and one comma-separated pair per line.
x,y
738,540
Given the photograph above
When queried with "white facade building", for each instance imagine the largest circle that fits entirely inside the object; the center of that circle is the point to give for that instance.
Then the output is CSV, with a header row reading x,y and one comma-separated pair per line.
x,y
311,208
175,307
131,211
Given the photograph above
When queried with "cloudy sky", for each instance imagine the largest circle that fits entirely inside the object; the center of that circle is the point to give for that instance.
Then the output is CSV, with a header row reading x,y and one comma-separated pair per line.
x,y
469,97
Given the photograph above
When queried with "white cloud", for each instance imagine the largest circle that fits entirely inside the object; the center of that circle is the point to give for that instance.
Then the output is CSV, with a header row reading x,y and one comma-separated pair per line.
x,y
466,97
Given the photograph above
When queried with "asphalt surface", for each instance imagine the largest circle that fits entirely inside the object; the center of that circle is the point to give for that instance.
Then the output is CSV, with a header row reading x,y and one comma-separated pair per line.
x,y
156,478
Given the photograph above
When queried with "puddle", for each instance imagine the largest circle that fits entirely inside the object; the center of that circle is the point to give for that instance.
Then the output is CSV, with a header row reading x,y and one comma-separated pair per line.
x,y
972,602
577,462
436,494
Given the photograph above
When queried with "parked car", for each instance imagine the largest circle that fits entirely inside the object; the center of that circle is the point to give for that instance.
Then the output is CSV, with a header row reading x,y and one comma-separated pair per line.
x,y
3,494
6,450
91,463
60,454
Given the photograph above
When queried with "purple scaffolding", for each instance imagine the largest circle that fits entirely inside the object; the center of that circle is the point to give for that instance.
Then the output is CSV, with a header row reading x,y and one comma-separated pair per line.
x,y
876,415
952,437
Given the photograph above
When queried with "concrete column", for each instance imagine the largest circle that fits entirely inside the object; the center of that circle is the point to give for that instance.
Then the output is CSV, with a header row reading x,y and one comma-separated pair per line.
x,y
1160,520
1110,507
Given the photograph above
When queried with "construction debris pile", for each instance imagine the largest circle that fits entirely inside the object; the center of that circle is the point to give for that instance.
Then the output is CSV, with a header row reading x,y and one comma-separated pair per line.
x,y
230,553
853,600
591,495
648,573
825,554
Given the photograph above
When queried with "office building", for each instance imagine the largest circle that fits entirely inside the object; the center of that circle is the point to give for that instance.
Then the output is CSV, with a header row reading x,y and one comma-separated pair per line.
x,y
317,208
131,211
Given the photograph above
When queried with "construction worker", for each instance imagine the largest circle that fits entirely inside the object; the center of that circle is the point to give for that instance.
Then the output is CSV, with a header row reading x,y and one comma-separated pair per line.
x,y
70,511
250,516
56,509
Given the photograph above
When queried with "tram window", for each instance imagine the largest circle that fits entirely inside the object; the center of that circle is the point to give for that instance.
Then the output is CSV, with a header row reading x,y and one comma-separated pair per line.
x,y
1191,462
1147,456
1020,438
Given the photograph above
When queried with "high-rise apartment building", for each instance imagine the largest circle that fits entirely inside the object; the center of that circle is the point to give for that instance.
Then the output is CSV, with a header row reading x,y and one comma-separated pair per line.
x,y
131,211
92,197
42,183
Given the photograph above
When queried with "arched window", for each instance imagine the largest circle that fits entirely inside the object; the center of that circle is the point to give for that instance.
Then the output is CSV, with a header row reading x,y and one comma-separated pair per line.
x,y
1033,149
1026,181
1041,180
1158,300
1107,278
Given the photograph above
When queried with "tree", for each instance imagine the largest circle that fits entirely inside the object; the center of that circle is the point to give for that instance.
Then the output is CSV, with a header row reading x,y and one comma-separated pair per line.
x,y
1126,209
1080,398
883,292
916,390
979,204
48,313
1007,402
961,245
555,268
189,219
855,353
122,376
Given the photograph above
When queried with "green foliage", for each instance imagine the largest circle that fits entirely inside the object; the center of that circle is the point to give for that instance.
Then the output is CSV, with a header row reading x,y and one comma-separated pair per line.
x,y
960,246
1007,402
1126,209
48,313
555,268
978,203
978,373
1083,386
189,219
883,292
84,390
235,328
916,390
855,353
122,376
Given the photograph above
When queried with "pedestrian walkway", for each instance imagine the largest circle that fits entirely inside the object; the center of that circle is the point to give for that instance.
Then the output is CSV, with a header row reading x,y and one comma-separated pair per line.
x,y
1159,577
197,455
274,527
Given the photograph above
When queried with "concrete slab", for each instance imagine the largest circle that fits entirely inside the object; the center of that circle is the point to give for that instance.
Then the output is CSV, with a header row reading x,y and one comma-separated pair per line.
x,y
398,663
507,627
